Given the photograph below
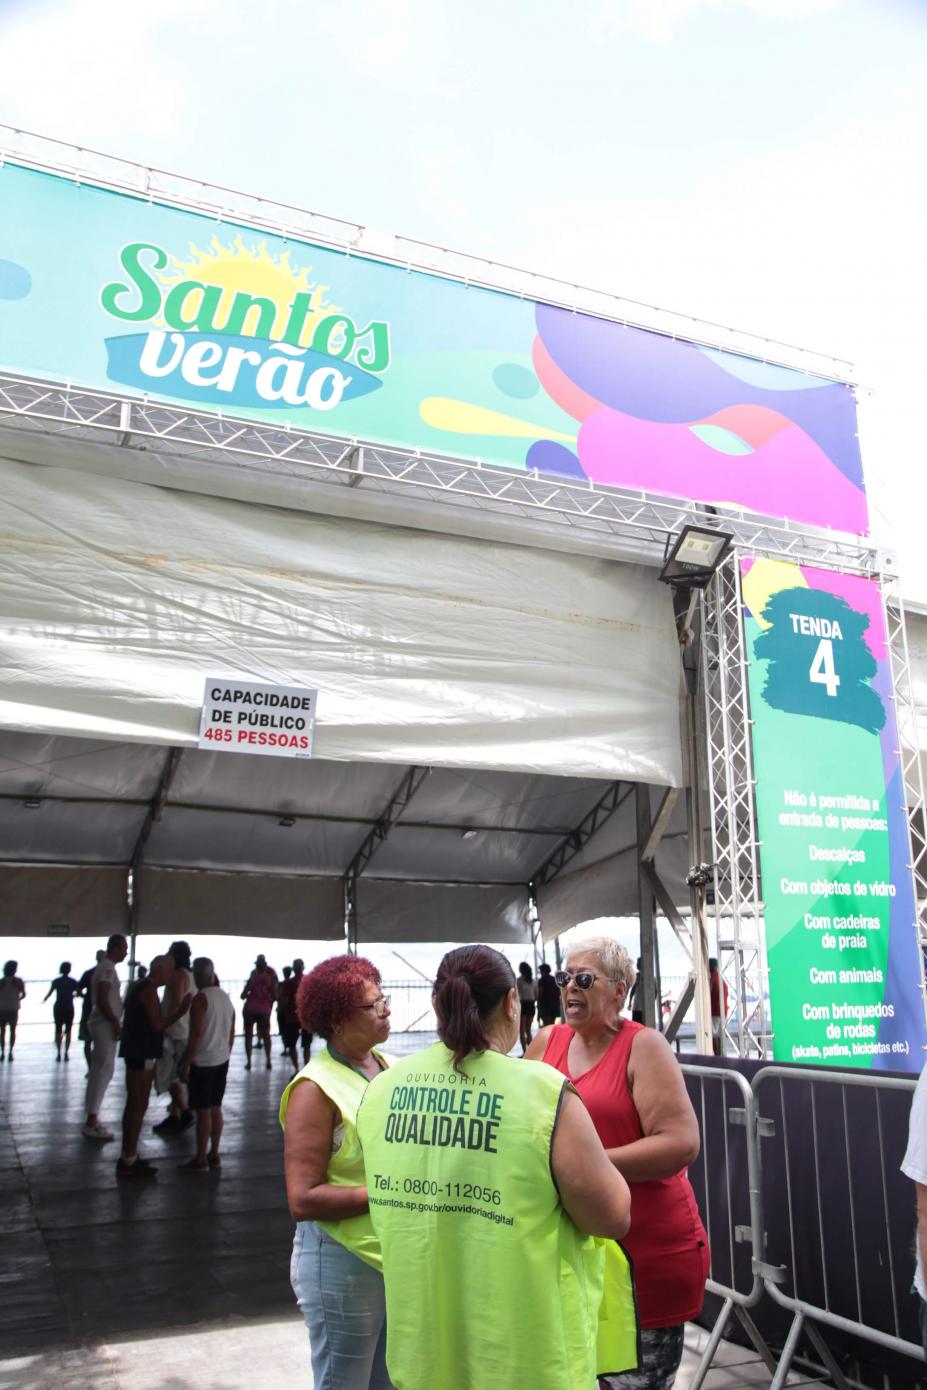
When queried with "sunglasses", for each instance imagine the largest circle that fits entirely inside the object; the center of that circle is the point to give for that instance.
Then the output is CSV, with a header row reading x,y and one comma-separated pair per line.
x,y
380,1006
583,979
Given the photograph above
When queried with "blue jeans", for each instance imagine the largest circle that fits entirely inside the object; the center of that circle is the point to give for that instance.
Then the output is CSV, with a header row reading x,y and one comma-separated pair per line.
x,y
344,1305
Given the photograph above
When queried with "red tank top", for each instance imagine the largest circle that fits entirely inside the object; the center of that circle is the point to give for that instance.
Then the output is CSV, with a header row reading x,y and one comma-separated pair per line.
x,y
667,1241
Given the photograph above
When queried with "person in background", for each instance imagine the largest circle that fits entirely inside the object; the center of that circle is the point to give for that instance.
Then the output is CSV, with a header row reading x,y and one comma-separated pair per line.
x,y
548,996
104,1025
914,1166
64,988
167,1073
633,1000
287,1017
259,995
527,1000
717,989
305,1036
635,1094
205,1067
143,1029
287,972
491,1277
335,1269
83,1029
12,993
141,972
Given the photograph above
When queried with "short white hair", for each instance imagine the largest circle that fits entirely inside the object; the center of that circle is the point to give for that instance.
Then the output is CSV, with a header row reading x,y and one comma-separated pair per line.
x,y
610,954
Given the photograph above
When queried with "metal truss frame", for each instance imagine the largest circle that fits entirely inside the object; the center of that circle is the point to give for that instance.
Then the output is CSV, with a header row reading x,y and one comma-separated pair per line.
x,y
636,523
909,753
738,905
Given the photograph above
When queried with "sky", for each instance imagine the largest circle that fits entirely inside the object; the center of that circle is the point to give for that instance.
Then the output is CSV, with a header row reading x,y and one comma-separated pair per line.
x,y
756,163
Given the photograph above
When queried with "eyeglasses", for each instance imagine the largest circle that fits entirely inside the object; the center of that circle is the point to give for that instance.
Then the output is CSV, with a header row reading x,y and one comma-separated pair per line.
x,y
584,979
380,1006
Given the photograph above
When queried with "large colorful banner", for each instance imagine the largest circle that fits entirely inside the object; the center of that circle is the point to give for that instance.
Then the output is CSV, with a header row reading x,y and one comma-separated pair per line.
x,y
844,969
107,290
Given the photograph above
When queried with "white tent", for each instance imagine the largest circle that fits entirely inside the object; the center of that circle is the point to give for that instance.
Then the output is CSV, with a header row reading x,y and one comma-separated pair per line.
x,y
478,698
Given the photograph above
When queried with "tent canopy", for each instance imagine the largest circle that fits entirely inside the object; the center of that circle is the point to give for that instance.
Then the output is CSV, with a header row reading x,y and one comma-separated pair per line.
x,y
260,846
449,654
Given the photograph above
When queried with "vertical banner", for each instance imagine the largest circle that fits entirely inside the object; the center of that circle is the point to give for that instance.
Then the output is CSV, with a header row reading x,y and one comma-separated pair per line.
x,y
844,968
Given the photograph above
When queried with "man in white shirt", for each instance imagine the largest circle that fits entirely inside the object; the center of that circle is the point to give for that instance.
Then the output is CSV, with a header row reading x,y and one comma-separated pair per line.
x,y
914,1166
105,1027
206,1063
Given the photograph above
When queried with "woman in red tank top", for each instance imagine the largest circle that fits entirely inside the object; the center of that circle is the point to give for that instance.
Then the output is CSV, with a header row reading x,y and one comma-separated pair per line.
x,y
634,1091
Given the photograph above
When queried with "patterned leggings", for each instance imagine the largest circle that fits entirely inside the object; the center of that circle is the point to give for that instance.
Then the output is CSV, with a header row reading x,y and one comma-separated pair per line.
x,y
661,1353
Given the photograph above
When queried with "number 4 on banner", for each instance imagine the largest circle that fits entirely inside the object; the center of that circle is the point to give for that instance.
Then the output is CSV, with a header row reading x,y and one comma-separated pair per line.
x,y
822,667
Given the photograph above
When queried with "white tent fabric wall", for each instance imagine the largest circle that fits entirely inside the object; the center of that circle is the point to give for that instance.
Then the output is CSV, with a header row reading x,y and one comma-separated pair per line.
x,y
117,599
441,912
558,673
196,902
90,900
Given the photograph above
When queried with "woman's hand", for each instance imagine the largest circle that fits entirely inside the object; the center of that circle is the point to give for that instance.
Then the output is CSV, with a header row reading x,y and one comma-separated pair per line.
x,y
307,1148
671,1138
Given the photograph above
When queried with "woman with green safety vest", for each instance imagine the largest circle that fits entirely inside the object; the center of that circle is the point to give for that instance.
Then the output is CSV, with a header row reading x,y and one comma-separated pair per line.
x,y
335,1269
486,1185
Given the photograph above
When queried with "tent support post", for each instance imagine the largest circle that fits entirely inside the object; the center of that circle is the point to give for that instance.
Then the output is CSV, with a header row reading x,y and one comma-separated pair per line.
x,y
537,937
700,872
647,909
350,914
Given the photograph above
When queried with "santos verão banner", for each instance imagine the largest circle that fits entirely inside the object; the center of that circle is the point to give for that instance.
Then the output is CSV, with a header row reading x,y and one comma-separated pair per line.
x,y
844,973
110,291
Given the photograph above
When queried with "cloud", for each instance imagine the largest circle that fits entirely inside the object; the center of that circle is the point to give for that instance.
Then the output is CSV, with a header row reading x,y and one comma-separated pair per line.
x,y
64,64
658,20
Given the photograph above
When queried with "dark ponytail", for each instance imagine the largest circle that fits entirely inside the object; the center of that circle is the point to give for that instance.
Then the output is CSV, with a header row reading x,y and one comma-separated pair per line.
x,y
470,984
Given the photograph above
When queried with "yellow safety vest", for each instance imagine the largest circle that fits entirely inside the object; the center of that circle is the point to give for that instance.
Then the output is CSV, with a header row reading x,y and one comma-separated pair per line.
x,y
345,1088
487,1278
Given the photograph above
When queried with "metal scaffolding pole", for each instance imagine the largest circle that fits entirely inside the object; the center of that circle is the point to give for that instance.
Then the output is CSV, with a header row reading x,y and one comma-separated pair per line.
x,y
735,847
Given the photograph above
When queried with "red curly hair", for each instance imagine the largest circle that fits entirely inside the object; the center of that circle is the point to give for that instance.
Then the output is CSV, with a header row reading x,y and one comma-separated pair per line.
x,y
332,990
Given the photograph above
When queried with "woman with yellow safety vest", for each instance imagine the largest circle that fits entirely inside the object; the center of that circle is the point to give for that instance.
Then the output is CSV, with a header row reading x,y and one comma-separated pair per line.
x,y
487,1184
335,1269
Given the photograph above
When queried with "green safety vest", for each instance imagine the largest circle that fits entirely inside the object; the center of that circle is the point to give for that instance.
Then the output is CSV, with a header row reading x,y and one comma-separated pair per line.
x,y
487,1278
345,1088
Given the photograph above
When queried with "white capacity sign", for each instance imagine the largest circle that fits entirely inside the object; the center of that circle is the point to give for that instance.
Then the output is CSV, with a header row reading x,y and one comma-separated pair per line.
x,y
242,717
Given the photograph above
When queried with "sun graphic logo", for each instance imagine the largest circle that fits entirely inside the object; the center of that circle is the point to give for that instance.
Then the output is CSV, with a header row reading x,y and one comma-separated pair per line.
x,y
236,325
247,290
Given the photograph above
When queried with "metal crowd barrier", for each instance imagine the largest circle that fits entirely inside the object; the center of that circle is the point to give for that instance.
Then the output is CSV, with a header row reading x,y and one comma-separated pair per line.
x,y
809,1147
726,1110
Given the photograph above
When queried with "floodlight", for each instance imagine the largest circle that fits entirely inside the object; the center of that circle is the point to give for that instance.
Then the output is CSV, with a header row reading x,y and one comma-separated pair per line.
x,y
692,557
